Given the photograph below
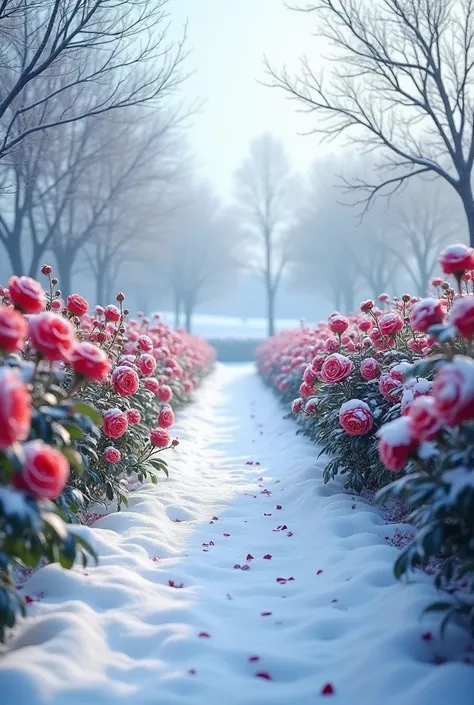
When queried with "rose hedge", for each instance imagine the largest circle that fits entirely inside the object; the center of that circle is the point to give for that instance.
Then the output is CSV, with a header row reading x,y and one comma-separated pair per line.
x,y
388,394
86,401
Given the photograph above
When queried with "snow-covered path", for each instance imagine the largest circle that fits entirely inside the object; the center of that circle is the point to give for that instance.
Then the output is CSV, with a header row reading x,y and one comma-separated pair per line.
x,y
317,605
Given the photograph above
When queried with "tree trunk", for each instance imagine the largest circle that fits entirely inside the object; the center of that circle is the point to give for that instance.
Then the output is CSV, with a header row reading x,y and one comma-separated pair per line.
x,y
177,311
99,288
15,257
65,263
270,289
270,310
188,305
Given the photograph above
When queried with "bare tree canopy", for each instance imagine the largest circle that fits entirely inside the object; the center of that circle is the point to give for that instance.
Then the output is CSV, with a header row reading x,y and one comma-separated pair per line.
x,y
91,56
401,84
265,190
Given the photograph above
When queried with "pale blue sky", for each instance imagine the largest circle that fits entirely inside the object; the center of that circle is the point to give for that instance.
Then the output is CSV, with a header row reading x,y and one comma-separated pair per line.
x,y
228,39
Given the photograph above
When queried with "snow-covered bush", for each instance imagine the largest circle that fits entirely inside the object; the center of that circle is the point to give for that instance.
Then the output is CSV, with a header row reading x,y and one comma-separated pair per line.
x,y
389,394
84,402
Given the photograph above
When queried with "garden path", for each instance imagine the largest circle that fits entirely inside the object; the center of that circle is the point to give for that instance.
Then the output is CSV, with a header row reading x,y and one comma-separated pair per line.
x,y
241,580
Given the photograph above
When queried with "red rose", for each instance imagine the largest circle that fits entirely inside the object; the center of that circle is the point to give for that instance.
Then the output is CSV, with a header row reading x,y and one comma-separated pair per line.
x,y
152,385
309,376
134,416
89,361
115,423
165,417
396,444
111,313
159,437
370,369
112,455
145,343
356,418
26,294
384,298
46,269
45,472
390,388
125,381
426,313
462,316
56,305
297,405
336,368
52,335
15,408
390,323
399,371
165,393
318,362
457,259
146,364
453,391
338,323
13,330
367,306
77,305
424,419
365,325
306,390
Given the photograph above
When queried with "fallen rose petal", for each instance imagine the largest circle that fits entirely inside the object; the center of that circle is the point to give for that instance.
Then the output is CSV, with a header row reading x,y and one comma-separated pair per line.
x,y
155,559
249,557
267,557
28,600
245,567
192,671
427,636
172,584
204,635
267,492
260,479
237,566
226,535
267,515
290,533
211,543
279,506
334,601
263,674
265,614
327,689
177,521
215,518
319,572
254,659
354,506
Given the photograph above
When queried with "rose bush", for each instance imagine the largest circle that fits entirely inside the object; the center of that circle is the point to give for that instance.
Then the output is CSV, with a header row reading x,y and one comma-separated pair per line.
x,y
86,400
390,398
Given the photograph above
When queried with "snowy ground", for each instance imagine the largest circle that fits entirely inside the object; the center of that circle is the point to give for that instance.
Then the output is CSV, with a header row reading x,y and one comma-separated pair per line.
x,y
316,610
212,326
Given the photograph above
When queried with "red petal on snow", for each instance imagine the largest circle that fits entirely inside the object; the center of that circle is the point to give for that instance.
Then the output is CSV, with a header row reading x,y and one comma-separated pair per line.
x,y
281,580
155,559
257,463
265,614
267,492
427,636
237,566
225,534
319,572
212,522
267,557
177,521
205,544
192,671
278,528
327,689
254,659
245,567
263,674
211,543
249,557
279,506
29,600
290,533
215,518
284,527
267,515
260,479
172,584
204,635
334,601
354,506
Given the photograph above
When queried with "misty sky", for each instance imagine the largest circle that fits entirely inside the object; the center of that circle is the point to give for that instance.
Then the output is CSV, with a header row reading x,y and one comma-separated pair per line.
x,y
228,39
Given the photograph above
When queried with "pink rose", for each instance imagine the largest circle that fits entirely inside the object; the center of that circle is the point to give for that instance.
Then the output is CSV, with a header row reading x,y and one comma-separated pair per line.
x,y
336,368
338,323
426,313
115,423
152,385
44,473
26,294
159,437
89,361
457,259
462,316
112,313
134,416
306,390
15,408
390,388
146,364
332,345
52,335
453,391
367,306
125,381
311,407
396,444
370,369
356,418
112,455
390,323
165,417
145,343
13,330
165,393
297,406
309,376
424,419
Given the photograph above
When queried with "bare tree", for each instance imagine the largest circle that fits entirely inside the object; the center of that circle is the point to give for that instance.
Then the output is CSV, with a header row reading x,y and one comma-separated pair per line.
x,y
200,257
265,193
402,83
90,57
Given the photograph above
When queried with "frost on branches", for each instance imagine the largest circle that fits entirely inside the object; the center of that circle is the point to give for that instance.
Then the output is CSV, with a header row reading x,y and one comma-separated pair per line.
x,y
86,399
388,394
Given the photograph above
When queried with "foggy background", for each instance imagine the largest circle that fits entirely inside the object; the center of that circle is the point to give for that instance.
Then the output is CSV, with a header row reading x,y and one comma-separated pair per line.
x,y
170,199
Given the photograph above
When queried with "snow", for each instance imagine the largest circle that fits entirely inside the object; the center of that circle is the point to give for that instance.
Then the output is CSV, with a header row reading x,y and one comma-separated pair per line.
x,y
396,433
14,504
317,558
354,404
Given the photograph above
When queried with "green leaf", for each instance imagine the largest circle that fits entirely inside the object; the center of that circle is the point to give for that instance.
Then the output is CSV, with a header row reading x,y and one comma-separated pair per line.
x,y
89,411
74,458
74,430
55,523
